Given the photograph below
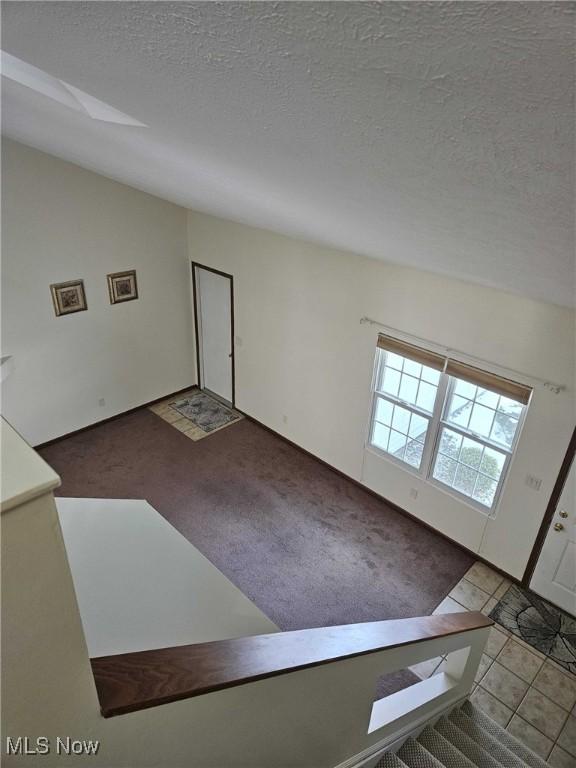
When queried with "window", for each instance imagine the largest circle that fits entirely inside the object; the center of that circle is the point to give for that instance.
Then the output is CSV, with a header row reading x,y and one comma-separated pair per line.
x,y
405,398
453,423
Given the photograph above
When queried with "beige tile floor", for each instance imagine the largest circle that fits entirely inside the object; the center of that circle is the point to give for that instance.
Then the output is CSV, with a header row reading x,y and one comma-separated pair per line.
x,y
516,685
181,423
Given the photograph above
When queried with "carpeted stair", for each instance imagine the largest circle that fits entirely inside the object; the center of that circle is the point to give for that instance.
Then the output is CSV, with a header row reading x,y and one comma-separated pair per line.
x,y
466,738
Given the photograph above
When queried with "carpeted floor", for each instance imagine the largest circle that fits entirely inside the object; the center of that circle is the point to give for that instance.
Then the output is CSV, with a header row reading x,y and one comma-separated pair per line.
x,y
307,546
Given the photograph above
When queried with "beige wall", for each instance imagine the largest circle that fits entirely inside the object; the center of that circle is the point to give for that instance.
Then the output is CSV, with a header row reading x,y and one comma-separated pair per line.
x,y
61,222
304,366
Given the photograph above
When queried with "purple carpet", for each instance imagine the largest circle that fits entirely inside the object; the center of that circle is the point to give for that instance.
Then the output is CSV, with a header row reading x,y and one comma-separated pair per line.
x,y
307,546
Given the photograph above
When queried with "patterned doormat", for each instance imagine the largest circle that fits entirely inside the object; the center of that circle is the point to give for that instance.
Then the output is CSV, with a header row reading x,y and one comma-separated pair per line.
x,y
540,624
196,414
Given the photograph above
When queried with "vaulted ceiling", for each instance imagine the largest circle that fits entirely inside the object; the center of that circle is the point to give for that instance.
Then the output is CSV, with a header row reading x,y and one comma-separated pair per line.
x,y
436,135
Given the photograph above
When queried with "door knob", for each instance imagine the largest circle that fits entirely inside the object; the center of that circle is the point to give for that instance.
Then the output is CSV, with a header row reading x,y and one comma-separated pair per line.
x,y
558,527
563,513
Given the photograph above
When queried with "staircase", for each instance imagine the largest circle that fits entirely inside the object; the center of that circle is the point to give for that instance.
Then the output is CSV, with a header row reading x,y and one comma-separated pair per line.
x,y
465,738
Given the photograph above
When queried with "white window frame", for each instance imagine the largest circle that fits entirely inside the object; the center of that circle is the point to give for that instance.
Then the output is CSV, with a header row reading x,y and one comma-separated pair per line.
x,y
508,452
436,421
430,417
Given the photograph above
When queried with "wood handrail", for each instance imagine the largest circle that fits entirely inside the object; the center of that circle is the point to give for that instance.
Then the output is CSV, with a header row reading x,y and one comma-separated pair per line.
x,y
129,682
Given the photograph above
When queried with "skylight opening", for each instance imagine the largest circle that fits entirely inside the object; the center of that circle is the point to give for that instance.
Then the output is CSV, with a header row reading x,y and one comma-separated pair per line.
x,y
68,95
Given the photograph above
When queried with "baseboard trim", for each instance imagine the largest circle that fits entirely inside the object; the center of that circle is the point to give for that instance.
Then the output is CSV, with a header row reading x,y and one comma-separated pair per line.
x,y
379,496
111,418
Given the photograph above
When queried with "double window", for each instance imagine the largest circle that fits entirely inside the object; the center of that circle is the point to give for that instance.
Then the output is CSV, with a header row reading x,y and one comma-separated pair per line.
x,y
452,423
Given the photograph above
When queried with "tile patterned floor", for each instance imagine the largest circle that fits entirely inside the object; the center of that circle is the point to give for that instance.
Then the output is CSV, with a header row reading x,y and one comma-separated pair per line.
x,y
516,685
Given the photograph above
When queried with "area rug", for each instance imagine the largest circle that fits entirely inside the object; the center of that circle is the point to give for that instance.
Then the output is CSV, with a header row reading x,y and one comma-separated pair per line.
x,y
540,624
196,414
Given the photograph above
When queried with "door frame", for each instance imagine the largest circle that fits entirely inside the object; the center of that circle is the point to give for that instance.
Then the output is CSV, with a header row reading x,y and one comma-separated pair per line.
x,y
196,265
550,511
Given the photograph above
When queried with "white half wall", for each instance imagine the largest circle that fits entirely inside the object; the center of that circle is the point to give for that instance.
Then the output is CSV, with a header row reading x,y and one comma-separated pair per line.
x,y
140,584
60,223
304,366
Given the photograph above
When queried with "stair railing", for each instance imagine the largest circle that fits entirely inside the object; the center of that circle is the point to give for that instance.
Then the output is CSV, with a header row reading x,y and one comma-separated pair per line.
x,y
358,652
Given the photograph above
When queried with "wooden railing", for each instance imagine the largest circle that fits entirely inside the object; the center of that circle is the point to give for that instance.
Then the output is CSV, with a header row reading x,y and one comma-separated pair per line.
x,y
134,681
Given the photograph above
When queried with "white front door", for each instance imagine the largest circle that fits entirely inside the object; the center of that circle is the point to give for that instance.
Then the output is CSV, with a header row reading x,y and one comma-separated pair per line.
x,y
213,292
555,574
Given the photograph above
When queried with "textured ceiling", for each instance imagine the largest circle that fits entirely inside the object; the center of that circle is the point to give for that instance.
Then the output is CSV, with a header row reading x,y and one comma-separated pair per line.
x,y
436,135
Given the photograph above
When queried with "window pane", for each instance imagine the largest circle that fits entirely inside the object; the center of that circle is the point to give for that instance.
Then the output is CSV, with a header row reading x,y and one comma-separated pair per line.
x,y
418,427
450,443
397,444
492,463
408,389
459,411
380,436
465,389
487,398
445,469
465,479
400,379
413,454
481,420
468,466
430,375
391,382
401,419
394,361
504,429
485,490
471,453
510,407
414,369
426,396
384,411
396,441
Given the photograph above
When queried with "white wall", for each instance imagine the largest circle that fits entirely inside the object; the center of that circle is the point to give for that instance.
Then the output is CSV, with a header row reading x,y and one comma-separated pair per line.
x,y
304,366
61,222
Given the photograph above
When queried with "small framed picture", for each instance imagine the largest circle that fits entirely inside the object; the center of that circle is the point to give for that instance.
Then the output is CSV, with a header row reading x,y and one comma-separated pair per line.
x,y
68,297
122,286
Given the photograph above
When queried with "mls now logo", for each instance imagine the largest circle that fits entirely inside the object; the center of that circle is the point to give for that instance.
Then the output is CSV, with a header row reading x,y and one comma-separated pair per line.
x,y
23,745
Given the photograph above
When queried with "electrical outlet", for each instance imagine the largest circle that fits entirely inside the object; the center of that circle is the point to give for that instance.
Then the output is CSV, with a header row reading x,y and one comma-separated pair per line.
x,y
101,402
533,482
238,341
285,419
413,493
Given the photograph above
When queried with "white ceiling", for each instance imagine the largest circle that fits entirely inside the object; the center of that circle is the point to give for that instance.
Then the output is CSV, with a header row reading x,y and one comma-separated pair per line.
x,y
435,135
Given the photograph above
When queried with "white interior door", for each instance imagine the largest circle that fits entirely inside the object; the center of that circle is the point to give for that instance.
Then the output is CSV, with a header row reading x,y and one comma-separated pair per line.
x,y
214,318
555,574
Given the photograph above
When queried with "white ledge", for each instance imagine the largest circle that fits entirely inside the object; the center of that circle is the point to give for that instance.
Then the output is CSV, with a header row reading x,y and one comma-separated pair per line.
x,y
396,705
141,585
25,475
